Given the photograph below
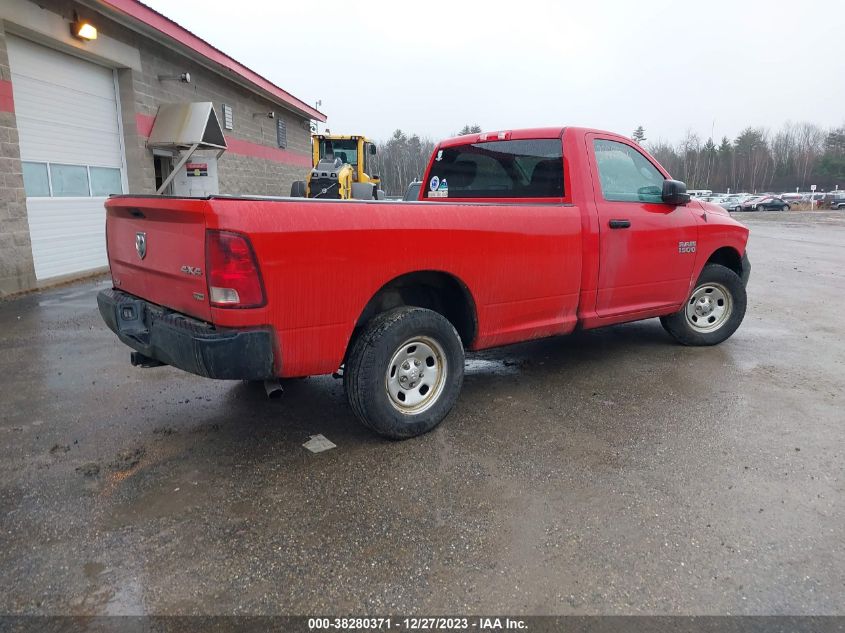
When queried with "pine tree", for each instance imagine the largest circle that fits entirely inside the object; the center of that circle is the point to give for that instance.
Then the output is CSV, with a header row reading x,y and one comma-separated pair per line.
x,y
639,135
832,163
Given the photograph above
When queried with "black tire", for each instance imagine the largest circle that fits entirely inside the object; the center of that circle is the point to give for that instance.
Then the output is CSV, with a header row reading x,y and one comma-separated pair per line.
x,y
786,207
298,189
368,366
681,327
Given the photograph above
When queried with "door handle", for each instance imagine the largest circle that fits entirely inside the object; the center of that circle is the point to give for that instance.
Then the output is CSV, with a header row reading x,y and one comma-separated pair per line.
x,y
619,224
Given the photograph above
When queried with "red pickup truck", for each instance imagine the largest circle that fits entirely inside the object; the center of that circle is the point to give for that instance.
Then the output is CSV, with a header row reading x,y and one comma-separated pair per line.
x,y
516,235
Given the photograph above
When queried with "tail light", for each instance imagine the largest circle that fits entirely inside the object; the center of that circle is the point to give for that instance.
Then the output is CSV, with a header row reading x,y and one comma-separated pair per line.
x,y
234,280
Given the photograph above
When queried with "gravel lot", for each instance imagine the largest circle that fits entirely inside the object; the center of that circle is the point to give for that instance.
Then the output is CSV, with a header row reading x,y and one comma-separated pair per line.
x,y
608,472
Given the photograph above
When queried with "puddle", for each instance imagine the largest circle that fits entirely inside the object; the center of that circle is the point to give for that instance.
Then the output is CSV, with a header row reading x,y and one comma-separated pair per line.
x,y
171,500
93,569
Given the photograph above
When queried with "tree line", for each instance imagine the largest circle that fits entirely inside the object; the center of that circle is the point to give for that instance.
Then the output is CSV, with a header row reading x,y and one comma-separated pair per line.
x,y
400,160
795,156
403,158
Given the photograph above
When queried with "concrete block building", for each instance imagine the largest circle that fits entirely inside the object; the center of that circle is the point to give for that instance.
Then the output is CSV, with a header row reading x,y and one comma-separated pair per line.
x,y
76,115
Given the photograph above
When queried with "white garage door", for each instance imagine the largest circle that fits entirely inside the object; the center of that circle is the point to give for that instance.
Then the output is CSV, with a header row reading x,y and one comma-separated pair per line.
x,y
71,151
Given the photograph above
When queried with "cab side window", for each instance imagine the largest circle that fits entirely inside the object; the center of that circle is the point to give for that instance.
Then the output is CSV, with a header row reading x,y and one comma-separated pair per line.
x,y
625,174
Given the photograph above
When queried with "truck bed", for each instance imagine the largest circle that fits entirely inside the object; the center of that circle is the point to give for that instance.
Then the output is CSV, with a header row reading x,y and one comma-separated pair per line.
x,y
322,261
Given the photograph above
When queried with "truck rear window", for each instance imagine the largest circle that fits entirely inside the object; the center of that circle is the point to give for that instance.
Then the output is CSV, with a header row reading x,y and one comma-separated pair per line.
x,y
530,168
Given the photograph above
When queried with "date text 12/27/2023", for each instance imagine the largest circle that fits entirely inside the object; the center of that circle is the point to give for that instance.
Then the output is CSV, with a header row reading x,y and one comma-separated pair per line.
x,y
418,624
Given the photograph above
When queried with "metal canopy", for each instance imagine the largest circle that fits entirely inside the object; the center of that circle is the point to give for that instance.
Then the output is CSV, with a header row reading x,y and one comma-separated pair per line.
x,y
186,126
189,127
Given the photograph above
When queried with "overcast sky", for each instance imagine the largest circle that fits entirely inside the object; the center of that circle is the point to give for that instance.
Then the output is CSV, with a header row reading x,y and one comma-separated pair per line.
x,y
431,67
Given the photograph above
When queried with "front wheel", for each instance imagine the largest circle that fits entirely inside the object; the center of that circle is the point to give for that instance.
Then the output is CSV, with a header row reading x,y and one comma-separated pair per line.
x,y
404,372
713,311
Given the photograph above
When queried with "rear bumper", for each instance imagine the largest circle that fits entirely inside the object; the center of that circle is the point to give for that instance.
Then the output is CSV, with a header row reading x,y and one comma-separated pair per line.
x,y
180,341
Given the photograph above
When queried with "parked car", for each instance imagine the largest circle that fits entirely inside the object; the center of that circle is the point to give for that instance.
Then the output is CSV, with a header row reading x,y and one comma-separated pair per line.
x,y
700,193
837,201
825,200
510,243
413,191
791,198
730,203
734,202
765,203
818,199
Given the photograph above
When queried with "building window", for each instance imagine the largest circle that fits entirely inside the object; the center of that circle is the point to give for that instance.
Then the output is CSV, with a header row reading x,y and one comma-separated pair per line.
x,y
105,181
228,117
69,181
36,182
46,180
281,133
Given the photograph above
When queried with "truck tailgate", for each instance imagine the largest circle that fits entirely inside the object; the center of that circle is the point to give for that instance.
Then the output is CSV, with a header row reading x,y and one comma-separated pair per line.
x,y
156,249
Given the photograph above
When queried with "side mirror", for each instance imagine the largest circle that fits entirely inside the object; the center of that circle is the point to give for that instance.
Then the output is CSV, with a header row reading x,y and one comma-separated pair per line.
x,y
675,192
372,149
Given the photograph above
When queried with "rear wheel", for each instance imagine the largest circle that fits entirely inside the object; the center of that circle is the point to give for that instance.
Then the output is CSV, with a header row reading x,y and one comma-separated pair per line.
x,y
713,311
404,372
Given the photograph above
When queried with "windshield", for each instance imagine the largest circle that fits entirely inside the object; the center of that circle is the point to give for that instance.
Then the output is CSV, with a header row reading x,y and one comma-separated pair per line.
x,y
345,150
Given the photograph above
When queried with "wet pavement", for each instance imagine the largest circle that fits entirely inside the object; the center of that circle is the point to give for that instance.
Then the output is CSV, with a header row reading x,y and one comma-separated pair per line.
x,y
607,472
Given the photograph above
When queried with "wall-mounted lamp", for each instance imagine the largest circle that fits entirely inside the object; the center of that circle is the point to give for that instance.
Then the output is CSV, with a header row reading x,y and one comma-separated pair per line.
x,y
82,29
185,78
269,115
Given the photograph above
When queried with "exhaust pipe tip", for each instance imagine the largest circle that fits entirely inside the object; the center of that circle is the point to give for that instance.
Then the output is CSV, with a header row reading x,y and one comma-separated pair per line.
x,y
273,388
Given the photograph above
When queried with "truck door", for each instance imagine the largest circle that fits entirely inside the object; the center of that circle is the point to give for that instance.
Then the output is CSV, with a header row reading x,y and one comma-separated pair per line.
x,y
647,247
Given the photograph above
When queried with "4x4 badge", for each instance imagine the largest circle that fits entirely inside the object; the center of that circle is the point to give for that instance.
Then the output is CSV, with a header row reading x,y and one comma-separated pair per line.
x,y
141,244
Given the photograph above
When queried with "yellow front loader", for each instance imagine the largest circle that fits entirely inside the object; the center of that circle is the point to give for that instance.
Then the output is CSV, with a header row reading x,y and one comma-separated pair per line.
x,y
342,169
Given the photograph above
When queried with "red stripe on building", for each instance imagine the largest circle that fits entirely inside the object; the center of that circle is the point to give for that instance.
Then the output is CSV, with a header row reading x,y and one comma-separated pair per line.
x,y
144,124
7,101
255,150
157,21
